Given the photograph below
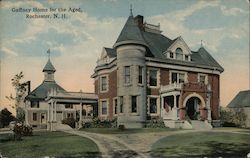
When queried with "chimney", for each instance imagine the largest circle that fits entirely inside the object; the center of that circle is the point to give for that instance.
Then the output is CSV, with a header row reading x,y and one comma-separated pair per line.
x,y
139,21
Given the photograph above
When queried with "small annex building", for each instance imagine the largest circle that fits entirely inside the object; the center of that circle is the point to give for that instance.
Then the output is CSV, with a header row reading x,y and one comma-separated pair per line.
x,y
242,102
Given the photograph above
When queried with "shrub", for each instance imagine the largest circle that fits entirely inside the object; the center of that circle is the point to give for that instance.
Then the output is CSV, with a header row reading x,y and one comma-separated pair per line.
x,y
22,130
155,123
233,118
27,130
98,123
69,121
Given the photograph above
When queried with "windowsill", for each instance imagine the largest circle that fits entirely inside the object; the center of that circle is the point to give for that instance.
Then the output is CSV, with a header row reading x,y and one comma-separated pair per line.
x,y
153,87
140,84
127,84
134,114
104,91
153,114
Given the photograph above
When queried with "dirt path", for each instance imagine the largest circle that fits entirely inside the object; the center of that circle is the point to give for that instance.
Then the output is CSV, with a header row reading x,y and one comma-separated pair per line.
x,y
110,146
136,145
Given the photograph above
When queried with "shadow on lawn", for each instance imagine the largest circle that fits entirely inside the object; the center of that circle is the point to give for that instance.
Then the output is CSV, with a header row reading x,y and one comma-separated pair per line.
x,y
216,149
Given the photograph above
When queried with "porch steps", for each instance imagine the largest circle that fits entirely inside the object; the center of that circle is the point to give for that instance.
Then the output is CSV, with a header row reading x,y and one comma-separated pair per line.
x,y
201,125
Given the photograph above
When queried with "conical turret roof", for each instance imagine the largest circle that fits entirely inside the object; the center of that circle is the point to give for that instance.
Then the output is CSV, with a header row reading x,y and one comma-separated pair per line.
x,y
49,67
130,34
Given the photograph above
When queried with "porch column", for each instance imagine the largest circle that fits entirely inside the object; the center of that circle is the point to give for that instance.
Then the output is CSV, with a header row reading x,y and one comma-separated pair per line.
x,y
48,117
52,115
162,106
55,112
175,107
80,120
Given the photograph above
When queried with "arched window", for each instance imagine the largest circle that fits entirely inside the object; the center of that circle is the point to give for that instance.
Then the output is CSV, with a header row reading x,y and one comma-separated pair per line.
x,y
179,54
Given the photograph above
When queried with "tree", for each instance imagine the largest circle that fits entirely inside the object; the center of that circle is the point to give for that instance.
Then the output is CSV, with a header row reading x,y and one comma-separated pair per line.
x,y
5,117
20,88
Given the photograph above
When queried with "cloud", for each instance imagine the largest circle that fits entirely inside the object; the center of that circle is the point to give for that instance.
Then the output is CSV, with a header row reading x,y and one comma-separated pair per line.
x,y
232,11
9,52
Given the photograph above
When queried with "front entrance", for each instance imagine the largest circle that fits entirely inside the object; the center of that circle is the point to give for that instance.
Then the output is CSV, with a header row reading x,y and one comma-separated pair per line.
x,y
43,118
192,108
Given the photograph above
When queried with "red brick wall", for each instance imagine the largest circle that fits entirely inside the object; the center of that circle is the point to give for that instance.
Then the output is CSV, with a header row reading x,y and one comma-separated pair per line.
x,y
164,74
112,90
192,77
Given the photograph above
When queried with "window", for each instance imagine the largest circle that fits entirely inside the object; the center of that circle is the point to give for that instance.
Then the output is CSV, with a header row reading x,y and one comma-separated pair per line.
x,y
121,104
171,55
177,77
34,116
186,57
104,108
34,104
202,78
104,83
181,77
115,106
127,74
134,104
153,105
153,77
179,54
68,106
140,72
174,77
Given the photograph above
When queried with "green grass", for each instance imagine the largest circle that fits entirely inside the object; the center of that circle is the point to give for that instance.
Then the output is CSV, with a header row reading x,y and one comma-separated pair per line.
x,y
202,144
56,144
125,131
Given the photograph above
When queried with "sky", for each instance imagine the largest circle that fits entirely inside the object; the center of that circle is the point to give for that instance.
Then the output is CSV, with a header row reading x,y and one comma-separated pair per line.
x,y
76,42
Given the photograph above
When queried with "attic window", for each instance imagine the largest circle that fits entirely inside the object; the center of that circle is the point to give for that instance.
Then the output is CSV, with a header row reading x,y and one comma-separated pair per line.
x,y
179,54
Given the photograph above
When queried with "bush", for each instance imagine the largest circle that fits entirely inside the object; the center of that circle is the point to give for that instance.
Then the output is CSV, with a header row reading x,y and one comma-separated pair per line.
x,y
98,123
233,118
22,130
69,121
155,123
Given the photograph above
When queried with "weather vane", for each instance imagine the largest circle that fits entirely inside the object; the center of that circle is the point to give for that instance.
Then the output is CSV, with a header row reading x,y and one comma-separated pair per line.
x,y
48,51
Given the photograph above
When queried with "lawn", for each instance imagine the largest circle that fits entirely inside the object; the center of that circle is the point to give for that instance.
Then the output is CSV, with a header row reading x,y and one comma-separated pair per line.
x,y
126,131
203,144
56,144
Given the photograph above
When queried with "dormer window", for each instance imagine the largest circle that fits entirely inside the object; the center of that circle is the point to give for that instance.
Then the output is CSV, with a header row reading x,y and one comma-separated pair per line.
x,y
179,54
171,55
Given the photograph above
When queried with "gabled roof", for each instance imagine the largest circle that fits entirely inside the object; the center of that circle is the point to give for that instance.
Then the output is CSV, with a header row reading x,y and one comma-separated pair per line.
x,y
49,67
130,34
242,99
41,92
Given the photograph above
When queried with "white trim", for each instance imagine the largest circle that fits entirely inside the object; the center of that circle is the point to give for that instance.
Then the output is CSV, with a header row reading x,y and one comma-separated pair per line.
x,y
182,68
201,74
157,77
130,75
100,109
178,72
107,84
203,104
157,105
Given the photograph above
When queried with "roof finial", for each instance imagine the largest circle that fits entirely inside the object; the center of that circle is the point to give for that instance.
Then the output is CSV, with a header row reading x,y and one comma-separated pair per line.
x,y
131,10
48,51
201,43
